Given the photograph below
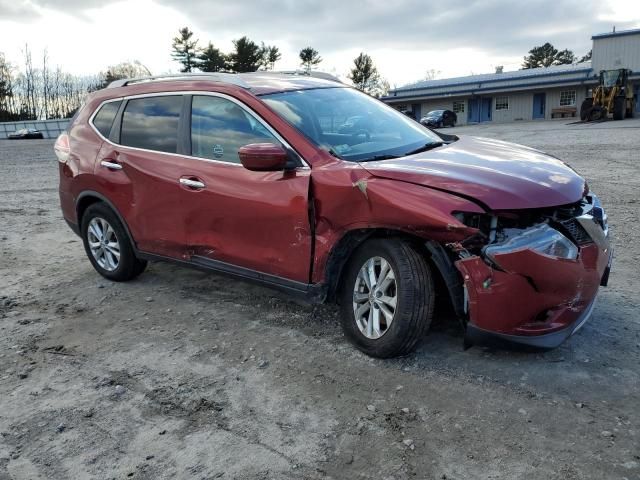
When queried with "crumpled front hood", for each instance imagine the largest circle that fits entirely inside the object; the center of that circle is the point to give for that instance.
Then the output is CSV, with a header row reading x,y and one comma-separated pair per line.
x,y
501,175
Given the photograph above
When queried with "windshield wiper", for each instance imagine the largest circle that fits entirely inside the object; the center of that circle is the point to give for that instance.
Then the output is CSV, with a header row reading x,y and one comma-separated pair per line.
x,y
379,157
426,147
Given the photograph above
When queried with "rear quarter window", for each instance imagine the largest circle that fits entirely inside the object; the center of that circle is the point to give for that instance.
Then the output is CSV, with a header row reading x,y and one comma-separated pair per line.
x,y
152,123
105,117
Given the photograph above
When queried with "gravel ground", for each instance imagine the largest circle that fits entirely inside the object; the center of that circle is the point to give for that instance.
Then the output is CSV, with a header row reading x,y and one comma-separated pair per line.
x,y
183,374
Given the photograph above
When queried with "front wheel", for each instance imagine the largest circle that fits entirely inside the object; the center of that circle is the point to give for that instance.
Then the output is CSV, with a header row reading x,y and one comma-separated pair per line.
x,y
386,298
585,109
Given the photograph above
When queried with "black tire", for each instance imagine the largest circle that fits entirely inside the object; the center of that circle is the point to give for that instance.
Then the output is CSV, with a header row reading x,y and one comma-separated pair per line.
x,y
585,109
128,266
413,292
618,108
597,113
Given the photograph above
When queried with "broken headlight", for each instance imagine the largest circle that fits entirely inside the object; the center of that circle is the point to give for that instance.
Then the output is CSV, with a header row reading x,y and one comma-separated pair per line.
x,y
540,238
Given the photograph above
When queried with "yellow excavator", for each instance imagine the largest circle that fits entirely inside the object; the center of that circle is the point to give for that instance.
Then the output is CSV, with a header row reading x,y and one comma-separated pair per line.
x,y
613,95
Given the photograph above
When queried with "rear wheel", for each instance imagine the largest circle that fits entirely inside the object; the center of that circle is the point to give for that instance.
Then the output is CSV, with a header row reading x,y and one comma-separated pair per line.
x,y
108,246
618,108
386,298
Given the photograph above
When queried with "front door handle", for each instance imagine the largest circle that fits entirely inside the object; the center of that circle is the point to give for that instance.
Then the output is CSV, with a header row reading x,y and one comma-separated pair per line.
x,y
111,165
187,182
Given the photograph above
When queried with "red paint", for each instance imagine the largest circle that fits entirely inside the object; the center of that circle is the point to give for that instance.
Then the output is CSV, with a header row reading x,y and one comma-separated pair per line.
x,y
261,219
263,157
536,294
502,175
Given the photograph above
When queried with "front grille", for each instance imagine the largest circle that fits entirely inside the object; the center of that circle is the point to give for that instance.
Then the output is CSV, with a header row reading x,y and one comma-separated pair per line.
x,y
575,230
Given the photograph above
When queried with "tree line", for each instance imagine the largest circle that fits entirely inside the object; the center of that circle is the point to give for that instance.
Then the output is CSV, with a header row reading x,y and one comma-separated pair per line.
x,y
39,90
249,56
36,90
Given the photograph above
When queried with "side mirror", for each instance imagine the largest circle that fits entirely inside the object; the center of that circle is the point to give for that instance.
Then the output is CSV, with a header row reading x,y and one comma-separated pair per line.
x,y
263,157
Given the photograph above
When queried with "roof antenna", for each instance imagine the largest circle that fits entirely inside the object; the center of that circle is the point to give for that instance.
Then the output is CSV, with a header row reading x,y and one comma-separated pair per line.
x,y
614,29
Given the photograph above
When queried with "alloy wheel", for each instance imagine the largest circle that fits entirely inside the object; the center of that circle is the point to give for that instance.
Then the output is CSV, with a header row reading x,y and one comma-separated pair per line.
x,y
375,296
103,244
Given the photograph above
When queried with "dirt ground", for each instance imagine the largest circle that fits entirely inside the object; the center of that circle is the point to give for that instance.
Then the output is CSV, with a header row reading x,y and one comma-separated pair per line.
x,y
183,374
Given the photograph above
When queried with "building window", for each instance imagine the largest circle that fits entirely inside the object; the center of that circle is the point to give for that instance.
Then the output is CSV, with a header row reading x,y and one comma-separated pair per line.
x,y
567,98
458,106
502,103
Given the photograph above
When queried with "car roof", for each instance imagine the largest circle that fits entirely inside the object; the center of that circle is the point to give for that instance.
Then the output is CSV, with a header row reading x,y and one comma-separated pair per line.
x,y
259,83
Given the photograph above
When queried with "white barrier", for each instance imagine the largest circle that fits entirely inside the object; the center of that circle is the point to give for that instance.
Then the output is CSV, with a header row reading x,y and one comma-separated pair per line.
x,y
49,128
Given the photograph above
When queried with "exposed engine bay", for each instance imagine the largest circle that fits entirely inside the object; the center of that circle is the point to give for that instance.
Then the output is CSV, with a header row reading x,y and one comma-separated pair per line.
x,y
555,231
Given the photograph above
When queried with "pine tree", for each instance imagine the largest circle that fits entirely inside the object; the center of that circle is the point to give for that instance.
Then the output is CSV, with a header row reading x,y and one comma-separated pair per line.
x,y
365,76
271,54
211,59
309,58
246,57
185,50
546,56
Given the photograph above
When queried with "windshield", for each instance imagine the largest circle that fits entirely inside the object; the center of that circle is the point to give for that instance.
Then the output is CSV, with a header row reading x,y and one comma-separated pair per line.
x,y
435,113
610,77
351,124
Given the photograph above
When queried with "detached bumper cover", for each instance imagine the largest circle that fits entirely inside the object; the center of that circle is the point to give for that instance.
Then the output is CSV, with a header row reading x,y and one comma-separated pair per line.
x,y
534,299
476,335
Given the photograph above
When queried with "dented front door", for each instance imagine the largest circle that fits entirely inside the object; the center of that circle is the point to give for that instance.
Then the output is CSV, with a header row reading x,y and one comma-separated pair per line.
x,y
255,220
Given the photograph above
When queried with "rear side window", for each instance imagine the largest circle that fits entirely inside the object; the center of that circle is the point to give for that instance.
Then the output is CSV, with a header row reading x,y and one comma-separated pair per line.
x,y
105,117
152,123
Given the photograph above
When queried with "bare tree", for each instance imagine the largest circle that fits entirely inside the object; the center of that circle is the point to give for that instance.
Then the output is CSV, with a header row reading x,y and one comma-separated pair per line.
x,y
432,74
7,98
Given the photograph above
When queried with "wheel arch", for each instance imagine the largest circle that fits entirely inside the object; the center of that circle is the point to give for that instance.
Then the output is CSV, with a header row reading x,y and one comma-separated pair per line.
x,y
90,197
432,251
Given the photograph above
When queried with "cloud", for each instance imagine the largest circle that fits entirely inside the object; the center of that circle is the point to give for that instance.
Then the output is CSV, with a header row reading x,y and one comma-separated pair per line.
x,y
18,10
502,27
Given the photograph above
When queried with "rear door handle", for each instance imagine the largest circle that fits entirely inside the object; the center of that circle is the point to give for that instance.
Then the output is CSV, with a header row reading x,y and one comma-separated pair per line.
x,y
187,182
111,165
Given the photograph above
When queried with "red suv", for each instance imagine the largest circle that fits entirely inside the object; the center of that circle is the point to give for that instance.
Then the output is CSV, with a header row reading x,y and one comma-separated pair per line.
x,y
255,175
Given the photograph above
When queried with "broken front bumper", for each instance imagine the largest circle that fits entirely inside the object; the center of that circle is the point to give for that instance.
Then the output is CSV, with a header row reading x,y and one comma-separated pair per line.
x,y
535,299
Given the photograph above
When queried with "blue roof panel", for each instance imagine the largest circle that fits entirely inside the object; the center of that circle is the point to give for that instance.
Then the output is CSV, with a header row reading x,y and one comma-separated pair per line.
x,y
558,70
619,33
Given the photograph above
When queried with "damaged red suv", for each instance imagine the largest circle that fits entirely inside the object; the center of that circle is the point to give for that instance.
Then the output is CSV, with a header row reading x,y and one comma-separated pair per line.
x,y
255,176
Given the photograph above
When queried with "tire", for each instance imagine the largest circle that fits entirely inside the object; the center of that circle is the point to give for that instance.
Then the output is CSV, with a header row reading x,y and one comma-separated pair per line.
x,y
585,109
99,218
618,108
412,288
597,113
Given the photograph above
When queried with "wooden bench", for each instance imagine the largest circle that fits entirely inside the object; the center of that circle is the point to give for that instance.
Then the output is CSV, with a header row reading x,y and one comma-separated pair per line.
x,y
562,111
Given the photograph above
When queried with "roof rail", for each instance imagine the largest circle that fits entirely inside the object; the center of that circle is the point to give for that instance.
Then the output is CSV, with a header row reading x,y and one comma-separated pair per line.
x,y
308,73
216,77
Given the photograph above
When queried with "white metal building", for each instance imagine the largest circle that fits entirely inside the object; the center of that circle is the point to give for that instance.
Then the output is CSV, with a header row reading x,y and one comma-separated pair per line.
x,y
536,93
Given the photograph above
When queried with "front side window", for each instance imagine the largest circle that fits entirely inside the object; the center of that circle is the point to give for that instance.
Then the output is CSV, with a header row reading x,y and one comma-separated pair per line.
x,y
458,106
350,124
502,103
219,127
105,117
567,98
152,123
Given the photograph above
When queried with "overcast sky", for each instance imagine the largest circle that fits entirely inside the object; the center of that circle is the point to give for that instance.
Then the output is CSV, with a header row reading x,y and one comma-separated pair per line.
x,y
406,38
